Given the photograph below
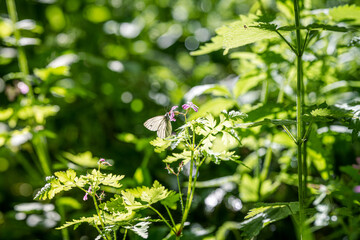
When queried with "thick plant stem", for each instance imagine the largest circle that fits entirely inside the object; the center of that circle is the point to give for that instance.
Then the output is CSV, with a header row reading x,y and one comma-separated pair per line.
x,y
299,120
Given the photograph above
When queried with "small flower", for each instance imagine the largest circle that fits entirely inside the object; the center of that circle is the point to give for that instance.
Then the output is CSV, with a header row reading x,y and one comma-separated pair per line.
x,y
24,89
357,189
190,105
87,193
104,162
172,114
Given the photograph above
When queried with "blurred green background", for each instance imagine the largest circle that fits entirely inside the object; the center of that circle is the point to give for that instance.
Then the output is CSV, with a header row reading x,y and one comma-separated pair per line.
x,y
100,68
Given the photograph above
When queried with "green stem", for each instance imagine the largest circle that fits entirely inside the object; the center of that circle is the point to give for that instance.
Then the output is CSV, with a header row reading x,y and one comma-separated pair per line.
x,y
299,120
289,133
188,193
170,215
23,65
99,215
181,197
162,217
125,234
286,41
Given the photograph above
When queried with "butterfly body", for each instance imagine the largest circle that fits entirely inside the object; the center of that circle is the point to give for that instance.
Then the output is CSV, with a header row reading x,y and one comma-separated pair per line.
x,y
161,124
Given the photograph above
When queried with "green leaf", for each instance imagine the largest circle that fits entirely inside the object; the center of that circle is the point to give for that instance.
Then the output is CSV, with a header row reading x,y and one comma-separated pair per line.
x,y
64,181
218,90
171,200
214,106
91,220
160,144
266,121
184,156
145,194
115,205
140,229
248,82
84,159
45,73
104,179
262,216
346,13
238,33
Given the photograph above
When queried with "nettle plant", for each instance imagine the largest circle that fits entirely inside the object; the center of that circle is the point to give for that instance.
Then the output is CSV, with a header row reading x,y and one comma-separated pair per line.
x,y
193,144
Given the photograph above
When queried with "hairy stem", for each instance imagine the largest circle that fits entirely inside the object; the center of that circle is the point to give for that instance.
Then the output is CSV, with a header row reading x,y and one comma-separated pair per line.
x,y
299,120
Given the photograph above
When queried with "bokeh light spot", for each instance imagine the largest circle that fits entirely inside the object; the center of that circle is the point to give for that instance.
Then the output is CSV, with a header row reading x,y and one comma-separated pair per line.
x,y
126,97
137,105
4,164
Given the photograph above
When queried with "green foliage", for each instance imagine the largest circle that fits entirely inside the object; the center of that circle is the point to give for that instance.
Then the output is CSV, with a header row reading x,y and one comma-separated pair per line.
x,y
204,131
146,195
239,33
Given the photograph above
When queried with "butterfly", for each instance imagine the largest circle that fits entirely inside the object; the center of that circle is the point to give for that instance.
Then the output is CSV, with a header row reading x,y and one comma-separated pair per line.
x,y
161,124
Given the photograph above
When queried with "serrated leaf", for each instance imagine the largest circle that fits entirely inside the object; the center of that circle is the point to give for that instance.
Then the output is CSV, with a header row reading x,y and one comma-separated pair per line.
x,y
115,205
103,179
160,144
91,220
346,13
65,181
238,33
184,156
145,194
140,229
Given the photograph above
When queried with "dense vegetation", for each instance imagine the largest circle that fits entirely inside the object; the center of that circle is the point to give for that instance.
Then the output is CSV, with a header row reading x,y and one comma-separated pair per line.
x,y
265,136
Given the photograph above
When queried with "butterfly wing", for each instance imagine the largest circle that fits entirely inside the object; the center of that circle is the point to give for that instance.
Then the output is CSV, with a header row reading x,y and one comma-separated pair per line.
x,y
153,124
165,128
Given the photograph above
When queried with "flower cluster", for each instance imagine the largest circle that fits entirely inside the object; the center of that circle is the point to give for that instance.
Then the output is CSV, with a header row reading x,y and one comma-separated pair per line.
x,y
186,107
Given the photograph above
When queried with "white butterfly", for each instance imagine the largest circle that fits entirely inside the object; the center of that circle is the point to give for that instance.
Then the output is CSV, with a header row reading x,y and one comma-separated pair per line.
x,y
161,124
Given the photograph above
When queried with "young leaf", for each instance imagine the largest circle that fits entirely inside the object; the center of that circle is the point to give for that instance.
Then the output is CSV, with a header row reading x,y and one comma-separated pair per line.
x,y
104,179
148,195
140,229
91,220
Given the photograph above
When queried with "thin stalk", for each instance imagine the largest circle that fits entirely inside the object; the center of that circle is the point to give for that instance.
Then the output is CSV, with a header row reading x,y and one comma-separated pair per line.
x,y
286,41
299,120
187,208
190,197
98,213
23,64
289,133
125,234
180,193
162,217
170,215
